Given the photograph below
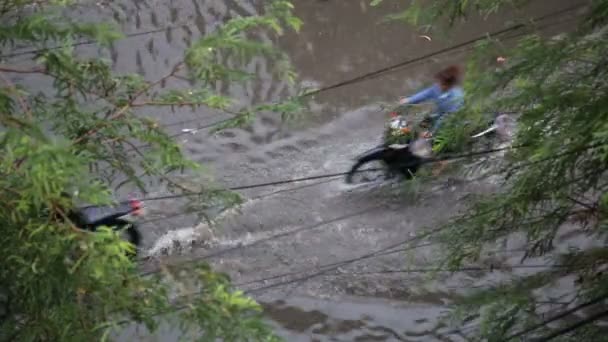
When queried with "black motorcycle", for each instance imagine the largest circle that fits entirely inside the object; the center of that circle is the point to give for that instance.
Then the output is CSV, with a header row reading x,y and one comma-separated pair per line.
x,y
403,151
394,157
115,216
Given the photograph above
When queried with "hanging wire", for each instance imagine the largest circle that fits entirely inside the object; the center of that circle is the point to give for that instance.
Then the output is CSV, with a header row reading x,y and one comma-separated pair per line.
x,y
406,63
337,174
573,327
297,230
389,249
351,81
559,316
316,225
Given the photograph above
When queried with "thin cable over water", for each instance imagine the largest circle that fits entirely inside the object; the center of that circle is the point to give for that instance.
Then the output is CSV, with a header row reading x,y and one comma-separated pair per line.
x,y
559,316
400,65
573,327
332,175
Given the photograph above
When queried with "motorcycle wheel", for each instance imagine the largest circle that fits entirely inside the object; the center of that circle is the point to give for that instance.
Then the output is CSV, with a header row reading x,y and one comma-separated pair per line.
x,y
374,170
130,233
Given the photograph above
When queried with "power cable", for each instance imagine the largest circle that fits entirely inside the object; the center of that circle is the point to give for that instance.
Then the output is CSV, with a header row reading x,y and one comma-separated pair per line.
x,y
403,64
330,178
361,171
280,235
305,228
275,183
331,175
573,327
255,198
384,251
376,73
322,270
357,79
188,23
338,264
522,266
389,252
476,179
334,266
221,252
89,42
251,186
416,270
428,270
557,317
447,270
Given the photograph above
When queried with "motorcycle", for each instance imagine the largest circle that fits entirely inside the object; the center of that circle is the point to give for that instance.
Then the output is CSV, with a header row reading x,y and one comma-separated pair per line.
x,y
394,157
402,151
119,216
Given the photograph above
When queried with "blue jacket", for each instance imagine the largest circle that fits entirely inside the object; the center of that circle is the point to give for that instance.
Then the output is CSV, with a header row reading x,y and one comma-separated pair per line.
x,y
446,102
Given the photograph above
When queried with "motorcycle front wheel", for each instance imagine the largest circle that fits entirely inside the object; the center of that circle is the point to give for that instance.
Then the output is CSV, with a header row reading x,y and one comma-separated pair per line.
x,y
367,169
130,232
375,170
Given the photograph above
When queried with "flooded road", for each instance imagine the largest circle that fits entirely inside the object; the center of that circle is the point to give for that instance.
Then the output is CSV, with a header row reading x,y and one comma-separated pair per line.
x,y
280,239
320,255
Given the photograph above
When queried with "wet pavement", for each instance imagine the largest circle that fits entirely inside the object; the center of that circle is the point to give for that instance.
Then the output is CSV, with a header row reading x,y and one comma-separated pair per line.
x,y
278,241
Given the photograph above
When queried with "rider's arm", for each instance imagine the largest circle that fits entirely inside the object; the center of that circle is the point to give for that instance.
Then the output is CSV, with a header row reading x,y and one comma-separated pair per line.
x,y
421,96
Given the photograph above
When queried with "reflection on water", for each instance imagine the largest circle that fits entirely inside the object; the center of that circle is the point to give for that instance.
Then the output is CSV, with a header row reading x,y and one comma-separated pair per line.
x,y
351,319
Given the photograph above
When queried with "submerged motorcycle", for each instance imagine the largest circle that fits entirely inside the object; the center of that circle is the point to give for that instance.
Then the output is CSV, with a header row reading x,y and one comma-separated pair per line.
x,y
394,157
120,217
402,151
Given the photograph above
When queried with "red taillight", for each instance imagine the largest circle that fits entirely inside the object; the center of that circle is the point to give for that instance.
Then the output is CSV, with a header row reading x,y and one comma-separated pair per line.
x,y
137,207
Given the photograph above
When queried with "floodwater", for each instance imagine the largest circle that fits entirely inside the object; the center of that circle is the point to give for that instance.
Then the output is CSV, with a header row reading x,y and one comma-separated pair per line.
x,y
281,237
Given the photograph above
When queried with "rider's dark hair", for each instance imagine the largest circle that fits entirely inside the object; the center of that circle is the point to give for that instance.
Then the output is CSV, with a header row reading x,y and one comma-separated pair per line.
x,y
450,76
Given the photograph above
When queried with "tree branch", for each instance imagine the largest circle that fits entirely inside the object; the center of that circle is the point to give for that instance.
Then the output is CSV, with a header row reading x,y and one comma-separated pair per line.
x,y
37,70
167,179
126,107
160,103
22,103
591,207
67,219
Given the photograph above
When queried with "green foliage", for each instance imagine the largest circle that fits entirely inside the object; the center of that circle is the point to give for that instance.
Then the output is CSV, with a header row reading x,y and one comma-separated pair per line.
x,y
453,134
448,11
83,137
556,176
216,309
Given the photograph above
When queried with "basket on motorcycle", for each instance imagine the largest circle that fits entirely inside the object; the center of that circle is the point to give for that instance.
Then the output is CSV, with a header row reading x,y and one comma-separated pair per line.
x,y
399,132
405,125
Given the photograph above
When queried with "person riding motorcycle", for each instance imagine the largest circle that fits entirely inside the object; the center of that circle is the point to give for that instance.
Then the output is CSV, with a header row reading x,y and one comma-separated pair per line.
x,y
446,93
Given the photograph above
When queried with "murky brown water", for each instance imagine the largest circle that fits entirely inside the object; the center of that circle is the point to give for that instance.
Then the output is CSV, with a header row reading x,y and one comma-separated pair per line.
x,y
299,231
